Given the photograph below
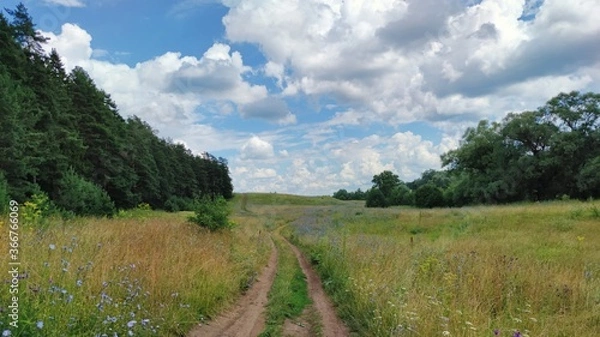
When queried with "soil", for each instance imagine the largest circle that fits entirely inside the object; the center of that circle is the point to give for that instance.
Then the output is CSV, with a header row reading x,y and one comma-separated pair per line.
x,y
247,317
331,324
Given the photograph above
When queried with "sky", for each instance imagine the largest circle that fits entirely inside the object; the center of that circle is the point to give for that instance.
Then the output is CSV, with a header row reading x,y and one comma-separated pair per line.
x,y
311,96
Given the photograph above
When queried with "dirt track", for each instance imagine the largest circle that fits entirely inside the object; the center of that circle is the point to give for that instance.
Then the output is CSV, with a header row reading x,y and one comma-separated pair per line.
x,y
246,319
331,326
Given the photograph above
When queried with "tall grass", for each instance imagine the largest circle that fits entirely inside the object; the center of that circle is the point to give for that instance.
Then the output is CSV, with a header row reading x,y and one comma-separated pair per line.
x,y
150,275
479,271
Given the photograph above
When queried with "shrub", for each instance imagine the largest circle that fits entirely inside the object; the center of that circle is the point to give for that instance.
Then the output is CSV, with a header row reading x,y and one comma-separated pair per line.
x,y
83,197
429,196
212,213
37,209
375,198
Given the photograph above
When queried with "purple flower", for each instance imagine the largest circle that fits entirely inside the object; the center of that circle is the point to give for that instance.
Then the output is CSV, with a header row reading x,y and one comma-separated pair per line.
x,y
496,332
517,334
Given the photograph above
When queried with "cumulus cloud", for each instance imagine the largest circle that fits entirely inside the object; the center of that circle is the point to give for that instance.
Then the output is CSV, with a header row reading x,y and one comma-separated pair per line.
x,y
256,148
269,108
394,61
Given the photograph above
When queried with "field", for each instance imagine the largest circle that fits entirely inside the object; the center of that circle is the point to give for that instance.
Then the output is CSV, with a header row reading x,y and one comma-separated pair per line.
x,y
473,271
480,271
148,273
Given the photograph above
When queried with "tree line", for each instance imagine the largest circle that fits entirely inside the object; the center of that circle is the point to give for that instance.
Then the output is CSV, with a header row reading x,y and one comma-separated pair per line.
x,y
548,153
62,136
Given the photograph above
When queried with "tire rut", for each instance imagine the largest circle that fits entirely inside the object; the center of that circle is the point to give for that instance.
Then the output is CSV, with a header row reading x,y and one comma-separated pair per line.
x,y
332,325
247,317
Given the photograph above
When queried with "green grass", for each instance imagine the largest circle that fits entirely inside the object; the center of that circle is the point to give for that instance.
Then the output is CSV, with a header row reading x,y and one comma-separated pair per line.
x,y
289,295
408,272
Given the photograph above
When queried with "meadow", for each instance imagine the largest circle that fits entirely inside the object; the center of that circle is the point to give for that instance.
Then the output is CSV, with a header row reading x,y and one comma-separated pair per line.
x,y
143,273
515,270
519,270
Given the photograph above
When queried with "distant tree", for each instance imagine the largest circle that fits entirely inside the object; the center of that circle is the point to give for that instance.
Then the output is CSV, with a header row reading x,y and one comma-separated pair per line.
x,y
386,181
375,198
341,194
402,195
429,196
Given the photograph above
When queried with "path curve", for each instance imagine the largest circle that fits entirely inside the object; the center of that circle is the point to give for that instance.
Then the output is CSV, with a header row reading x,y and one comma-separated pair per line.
x,y
247,318
332,324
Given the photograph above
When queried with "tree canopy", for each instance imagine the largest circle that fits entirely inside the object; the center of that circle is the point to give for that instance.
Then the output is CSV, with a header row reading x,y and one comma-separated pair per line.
x,y
63,136
548,153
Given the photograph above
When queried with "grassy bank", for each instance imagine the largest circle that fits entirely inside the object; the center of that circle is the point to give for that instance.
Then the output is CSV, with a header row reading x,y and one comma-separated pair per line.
x,y
151,274
532,268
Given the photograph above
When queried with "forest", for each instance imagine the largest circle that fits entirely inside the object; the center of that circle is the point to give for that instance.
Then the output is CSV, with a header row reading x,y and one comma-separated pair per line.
x,y
63,138
549,153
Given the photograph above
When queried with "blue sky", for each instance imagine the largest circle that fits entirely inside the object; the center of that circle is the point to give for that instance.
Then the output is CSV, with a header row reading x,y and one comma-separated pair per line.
x,y
310,96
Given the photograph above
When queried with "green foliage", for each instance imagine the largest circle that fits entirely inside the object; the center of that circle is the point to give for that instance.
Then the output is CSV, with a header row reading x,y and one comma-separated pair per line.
x,y
386,182
4,197
289,293
177,204
212,213
37,209
52,120
343,194
375,198
429,196
82,197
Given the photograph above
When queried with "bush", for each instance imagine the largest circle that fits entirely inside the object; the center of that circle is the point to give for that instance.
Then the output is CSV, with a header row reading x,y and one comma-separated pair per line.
x,y
212,213
82,197
429,196
375,198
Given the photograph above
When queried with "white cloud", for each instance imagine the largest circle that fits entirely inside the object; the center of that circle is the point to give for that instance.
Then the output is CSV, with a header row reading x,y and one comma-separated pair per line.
x,y
66,3
256,148
394,61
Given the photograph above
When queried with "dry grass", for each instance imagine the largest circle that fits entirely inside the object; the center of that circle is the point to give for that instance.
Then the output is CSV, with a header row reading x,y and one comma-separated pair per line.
x,y
463,272
151,275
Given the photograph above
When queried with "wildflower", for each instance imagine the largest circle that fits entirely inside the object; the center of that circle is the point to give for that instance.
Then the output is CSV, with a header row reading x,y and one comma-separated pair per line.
x,y
52,246
79,283
517,334
131,323
446,333
39,324
6,333
145,321
496,332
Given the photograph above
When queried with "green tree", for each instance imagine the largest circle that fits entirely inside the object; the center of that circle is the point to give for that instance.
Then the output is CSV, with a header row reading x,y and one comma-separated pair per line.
x,y
82,197
386,182
429,196
375,198
341,194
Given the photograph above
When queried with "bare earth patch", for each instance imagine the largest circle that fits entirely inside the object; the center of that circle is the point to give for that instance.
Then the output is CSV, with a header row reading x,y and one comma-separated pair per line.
x,y
301,326
331,325
246,318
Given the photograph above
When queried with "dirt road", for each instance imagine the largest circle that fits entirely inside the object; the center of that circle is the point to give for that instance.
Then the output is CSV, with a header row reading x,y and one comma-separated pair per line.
x,y
331,324
246,319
